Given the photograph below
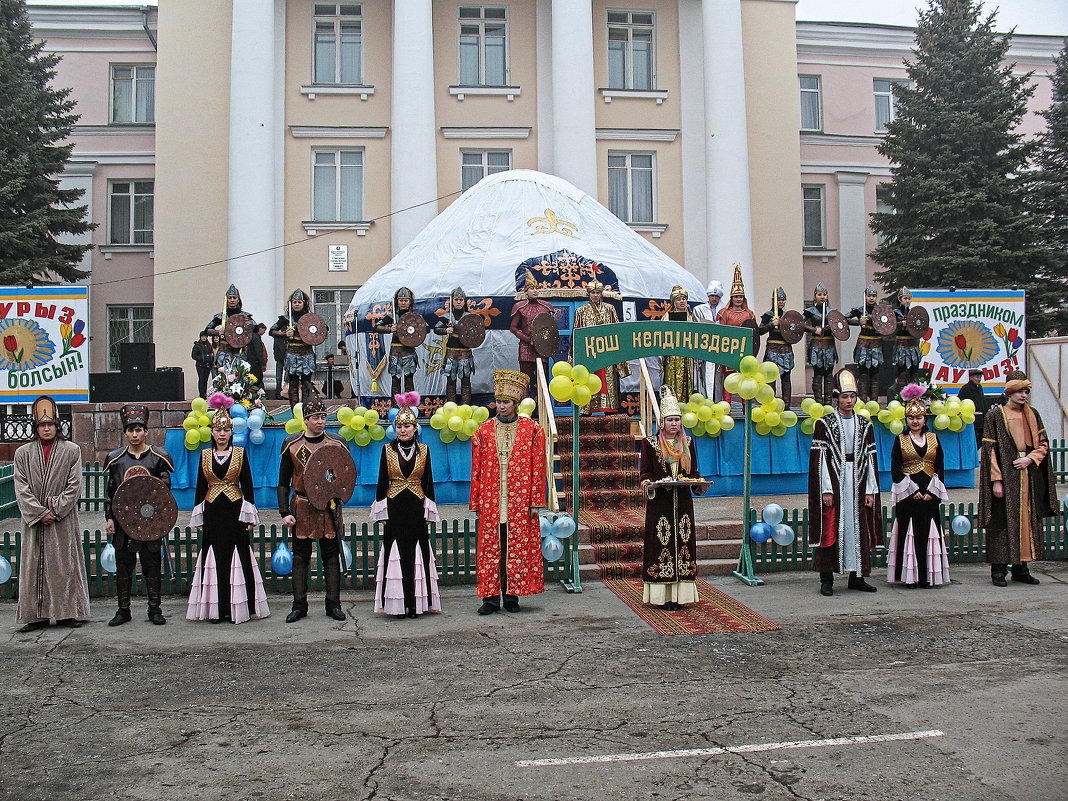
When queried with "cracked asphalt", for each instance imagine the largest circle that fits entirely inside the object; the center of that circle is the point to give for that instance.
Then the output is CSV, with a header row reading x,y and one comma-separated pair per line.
x,y
444,706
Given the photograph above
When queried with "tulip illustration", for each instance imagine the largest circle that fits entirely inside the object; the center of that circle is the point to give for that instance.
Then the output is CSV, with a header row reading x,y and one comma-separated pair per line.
x,y
999,329
925,348
961,342
11,345
72,335
927,334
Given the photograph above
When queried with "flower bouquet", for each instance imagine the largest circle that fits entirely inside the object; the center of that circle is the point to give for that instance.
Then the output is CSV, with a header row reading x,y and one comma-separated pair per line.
x,y
239,385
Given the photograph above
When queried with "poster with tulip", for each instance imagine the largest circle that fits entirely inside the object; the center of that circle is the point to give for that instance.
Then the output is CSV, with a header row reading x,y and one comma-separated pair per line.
x,y
44,343
972,329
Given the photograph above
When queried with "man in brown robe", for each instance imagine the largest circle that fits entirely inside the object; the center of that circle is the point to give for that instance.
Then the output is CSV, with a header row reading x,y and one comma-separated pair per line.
x,y
1015,484
48,480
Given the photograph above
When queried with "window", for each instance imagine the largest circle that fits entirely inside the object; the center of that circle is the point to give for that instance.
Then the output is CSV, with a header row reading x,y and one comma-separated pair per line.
x,y
483,46
331,305
810,102
477,164
337,185
130,213
127,324
338,43
630,50
812,200
885,102
882,204
630,186
133,93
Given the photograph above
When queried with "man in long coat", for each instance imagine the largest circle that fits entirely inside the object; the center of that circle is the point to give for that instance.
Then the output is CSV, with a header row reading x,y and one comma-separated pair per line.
x,y
524,312
48,480
843,492
507,491
598,312
1016,488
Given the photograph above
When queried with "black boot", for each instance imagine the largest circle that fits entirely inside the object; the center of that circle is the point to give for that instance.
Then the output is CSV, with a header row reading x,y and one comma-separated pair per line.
x,y
858,583
465,390
300,590
332,579
123,581
154,584
1022,574
997,575
826,582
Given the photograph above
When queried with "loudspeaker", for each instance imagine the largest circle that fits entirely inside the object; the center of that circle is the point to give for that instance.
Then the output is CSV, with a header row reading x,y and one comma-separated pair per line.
x,y
111,388
137,357
166,385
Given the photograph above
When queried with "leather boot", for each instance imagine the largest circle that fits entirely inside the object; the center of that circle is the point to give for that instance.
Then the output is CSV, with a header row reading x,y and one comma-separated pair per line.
x,y
450,390
300,590
123,581
858,583
1022,574
787,389
465,390
826,582
997,575
294,391
154,584
817,387
332,579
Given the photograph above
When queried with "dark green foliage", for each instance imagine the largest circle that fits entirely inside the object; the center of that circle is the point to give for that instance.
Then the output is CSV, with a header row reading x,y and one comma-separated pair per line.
x,y
35,120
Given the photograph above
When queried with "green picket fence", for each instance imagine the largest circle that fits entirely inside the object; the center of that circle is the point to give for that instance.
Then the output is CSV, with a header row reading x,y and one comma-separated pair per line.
x,y
454,543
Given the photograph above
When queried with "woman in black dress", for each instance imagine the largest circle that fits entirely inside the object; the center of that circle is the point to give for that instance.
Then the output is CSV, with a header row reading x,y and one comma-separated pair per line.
x,y
407,576
916,554
226,583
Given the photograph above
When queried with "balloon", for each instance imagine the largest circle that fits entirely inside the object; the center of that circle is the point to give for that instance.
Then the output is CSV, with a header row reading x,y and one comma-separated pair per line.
x,y
782,534
956,424
449,408
205,434
391,434
447,435
872,406
282,560
808,426
827,409
953,403
806,404
5,570
239,412
967,405
204,421
344,415
346,433
763,429
240,423
689,419
579,374
293,426
941,421
455,423
377,432
863,411
256,419
713,427
748,388
371,417
788,418
780,405
771,419
766,394
552,549
358,423
256,436
298,412
462,436
938,407
192,438
561,388
772,514
727,423
481,413
199,405
961,525
392,413
191,422
437,421
779,430
564,527
748,366
595,383
898,413
464,411
760,532
545,526
470,427
896,426
561,369
107,558
884,416
359,411
697,397
769,371
967,417
346,557
582,395
526,406
732,382
241,439
362,437
894,404
704,413
698,430
757,414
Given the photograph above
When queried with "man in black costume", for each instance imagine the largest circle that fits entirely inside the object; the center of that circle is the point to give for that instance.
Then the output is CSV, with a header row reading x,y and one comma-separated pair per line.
x,y
307,523
403,360
136,458
227,356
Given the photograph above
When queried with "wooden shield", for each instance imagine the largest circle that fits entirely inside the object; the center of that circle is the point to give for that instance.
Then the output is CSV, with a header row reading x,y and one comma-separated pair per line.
x,y
791,326
411,329
312,328
238,330
471,330
144,508
917,321
544,335
837,324
329,475
884,319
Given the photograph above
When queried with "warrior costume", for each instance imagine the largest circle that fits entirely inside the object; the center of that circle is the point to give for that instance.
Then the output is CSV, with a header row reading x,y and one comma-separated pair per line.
x,y
122,464
906,358
776,349
523,313
459,361
868,353
821,352
227,356
403,360
300,356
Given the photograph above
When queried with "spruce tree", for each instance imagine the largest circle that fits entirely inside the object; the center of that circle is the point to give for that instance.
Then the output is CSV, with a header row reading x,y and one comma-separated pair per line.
x,y
35,121
1051,195
959,165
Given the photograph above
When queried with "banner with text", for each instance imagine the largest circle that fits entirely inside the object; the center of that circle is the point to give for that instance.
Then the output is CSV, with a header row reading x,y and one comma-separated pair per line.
x,y
599,345
44,343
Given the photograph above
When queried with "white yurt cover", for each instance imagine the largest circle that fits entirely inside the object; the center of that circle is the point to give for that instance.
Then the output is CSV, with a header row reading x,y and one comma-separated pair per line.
x,y
484,242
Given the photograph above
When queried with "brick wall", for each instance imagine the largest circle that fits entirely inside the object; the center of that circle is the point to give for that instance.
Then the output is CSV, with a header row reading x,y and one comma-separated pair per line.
x,y
98,427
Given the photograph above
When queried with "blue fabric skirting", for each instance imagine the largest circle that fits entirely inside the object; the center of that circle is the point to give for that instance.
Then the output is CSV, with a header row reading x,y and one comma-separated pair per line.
x,y
459,368
907,357
868,357
822,358
300,364
785,361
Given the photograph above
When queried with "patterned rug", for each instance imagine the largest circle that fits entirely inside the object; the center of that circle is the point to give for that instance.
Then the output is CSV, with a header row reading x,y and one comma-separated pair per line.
x,y
715,612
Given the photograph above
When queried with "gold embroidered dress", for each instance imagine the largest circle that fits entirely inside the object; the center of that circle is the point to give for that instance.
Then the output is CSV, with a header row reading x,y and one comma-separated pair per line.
x,y
608,398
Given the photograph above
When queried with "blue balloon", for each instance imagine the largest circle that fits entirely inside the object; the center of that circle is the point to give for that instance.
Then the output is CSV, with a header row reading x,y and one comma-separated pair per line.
x,y
5,570
241,438
772,514
239,424
107,558
282,560
545,525
256,419
256,436
552,549
391,432
782,534
564,527
238,412
393,414
961,525
760,532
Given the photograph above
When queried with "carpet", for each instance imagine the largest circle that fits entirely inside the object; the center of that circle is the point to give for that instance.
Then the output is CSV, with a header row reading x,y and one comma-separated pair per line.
x,y
715,612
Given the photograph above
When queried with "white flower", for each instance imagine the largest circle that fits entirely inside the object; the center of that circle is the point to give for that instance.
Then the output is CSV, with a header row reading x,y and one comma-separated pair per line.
x,y
234,389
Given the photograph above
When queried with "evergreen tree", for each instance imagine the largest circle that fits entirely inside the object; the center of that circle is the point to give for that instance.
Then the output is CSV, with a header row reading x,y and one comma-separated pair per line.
x,y
1051,195
35,120
960,183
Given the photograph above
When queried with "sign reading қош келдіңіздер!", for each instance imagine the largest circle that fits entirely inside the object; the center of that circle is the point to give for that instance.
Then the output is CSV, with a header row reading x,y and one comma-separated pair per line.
x,y
599,345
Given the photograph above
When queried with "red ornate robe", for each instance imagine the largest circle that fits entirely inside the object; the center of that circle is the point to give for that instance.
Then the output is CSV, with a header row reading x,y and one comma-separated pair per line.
x,y
525,488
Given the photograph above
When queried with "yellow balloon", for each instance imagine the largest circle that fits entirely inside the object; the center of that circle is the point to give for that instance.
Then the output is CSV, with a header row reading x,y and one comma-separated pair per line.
x,y
358,423
470,427
749,366
377,432
199,405
362,437
204,421
561,387
725,406
749,388
897,413
455,423
884,416
780,404
727,423
769,371
938,407
447,435
298,413
808,426
732,382
345,432
863,411
449,408
704,414
828,409
205,434
967,405
192,437
941,421
437,420
765,394
190,423
579,374
697,397
955,424
293,426
594,383
896,426
562,369
806,404
763,428
712,427
464,411
789,418
526,406
481,413
758,414
344,415
360,411
967,417
581,395
772,419
779,430
371,417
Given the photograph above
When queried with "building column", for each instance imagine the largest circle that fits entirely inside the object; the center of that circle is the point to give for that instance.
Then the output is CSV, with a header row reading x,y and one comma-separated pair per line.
x,y
253,165
729,227
852,234
413,133
692,144
574,126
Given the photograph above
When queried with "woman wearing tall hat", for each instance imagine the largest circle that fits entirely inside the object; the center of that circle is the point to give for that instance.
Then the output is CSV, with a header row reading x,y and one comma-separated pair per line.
x,y
677,371
226,582
917,555
407,577
669,564
403,360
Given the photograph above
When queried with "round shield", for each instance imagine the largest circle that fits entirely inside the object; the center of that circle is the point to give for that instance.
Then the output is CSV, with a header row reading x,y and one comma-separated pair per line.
x,y
144,508
411,329
471,330
330,474
837,324
883,319
312,328
917,321
544,335
791,326
238,330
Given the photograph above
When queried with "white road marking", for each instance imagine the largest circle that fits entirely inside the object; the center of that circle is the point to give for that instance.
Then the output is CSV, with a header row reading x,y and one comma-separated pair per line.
x,y
734,749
